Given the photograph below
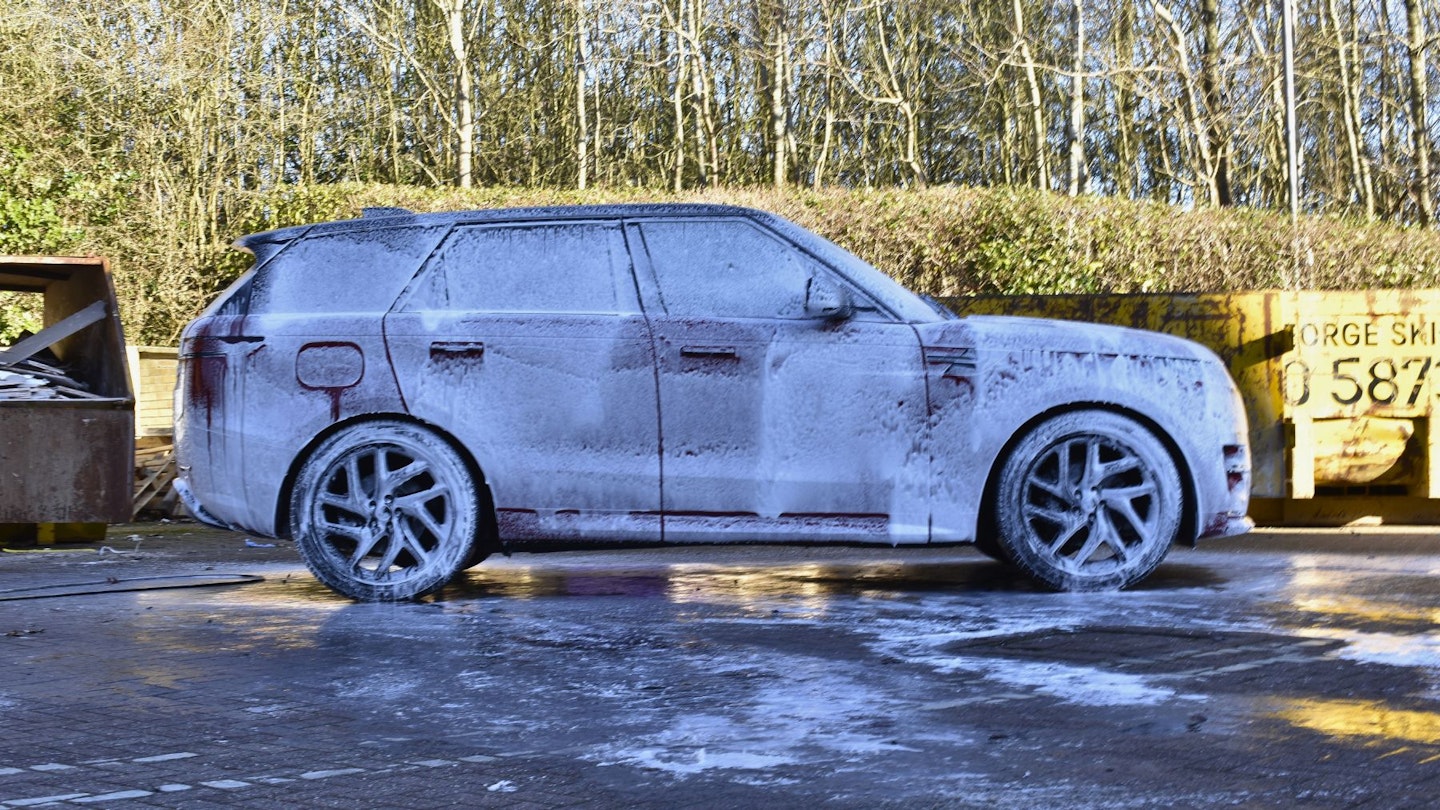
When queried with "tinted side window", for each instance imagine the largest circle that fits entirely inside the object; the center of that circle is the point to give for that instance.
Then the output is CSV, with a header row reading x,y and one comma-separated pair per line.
x,y
528,268
727,268
349,271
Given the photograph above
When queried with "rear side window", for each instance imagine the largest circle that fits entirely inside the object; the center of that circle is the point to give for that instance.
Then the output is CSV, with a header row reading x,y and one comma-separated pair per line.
x,y
348,271
566,267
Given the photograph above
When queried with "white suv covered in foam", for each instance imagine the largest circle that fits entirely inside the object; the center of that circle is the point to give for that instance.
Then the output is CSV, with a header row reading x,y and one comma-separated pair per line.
x,y
403,394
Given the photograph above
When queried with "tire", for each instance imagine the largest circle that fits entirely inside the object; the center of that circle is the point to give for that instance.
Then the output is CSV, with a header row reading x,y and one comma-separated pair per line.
x,y
990,547
1088,501
385,511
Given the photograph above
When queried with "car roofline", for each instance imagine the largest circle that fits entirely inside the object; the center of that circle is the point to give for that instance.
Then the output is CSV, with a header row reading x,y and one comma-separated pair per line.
x,y
391,217
891,294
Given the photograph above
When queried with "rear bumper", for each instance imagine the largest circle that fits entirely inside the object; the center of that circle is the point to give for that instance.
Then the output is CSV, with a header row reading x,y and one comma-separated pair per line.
x,y
196,509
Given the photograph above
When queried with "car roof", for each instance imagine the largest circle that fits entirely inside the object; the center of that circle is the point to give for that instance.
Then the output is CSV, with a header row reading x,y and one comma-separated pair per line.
x,y
391,217
899,300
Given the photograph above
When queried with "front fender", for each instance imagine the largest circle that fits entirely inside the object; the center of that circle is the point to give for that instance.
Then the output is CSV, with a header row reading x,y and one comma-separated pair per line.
x,y
980,408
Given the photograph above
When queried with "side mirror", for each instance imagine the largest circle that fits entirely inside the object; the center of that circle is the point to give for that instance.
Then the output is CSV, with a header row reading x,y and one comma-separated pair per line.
x,y
826,300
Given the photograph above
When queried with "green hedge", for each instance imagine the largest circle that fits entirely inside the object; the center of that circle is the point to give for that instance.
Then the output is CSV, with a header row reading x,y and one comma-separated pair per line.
x,y
943,241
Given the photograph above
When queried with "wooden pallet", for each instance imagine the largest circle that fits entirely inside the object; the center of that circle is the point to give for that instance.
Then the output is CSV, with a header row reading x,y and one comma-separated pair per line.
x,y
154,472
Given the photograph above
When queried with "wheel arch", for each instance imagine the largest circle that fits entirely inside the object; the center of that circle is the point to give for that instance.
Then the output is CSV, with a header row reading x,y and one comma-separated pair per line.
x,y
488,528
1190,511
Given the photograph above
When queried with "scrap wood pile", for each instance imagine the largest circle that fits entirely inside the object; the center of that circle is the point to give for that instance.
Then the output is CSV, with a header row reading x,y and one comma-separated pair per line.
x,y
32,380
24,376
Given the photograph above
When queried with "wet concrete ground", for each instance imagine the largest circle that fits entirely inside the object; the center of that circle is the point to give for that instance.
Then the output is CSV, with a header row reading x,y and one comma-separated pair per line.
x,y
1297,669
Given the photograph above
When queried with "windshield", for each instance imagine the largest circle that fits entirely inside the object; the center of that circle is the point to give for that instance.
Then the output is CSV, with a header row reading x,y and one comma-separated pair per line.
x,y
940,309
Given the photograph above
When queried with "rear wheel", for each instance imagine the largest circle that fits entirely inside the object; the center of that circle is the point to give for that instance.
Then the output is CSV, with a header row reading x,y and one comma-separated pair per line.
x,y
1089,500
385,511
987,544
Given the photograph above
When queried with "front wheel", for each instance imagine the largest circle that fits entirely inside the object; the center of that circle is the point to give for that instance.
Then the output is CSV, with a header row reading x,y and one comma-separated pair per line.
x,y
1089,500
384,511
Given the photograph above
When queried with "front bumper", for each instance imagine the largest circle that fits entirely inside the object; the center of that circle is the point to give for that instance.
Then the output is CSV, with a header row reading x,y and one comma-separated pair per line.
x,y
1227,525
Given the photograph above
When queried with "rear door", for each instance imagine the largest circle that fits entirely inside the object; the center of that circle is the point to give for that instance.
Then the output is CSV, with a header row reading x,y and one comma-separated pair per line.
x,y
527,343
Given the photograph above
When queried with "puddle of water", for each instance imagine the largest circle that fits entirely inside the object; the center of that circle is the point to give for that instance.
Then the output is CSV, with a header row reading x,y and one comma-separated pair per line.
x,y
1362,720
811,712
1392,649
684,582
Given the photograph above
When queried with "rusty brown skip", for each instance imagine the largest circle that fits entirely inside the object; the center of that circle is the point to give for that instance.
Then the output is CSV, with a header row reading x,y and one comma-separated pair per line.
x,y
70,461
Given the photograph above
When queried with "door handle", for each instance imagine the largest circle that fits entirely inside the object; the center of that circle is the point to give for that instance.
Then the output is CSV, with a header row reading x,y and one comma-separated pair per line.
x,y
711,352
457,348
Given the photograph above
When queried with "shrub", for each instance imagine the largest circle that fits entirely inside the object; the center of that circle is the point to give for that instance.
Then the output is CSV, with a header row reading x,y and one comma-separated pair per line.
x,y
945,241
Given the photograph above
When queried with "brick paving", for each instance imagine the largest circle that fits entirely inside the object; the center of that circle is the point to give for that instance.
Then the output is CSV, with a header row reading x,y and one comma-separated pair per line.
x,y
1295,669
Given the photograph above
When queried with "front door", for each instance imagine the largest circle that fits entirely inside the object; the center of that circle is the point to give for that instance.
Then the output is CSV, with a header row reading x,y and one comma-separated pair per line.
x,y
776,425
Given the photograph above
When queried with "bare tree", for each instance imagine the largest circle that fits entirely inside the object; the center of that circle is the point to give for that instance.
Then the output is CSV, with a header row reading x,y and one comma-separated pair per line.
x,y
582,76
1217,140
1346,59
1416,43
388,26
198,105
1205,171
1079,179
1036,100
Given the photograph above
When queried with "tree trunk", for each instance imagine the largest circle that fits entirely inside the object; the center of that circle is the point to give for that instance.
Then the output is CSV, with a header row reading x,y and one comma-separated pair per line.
x,y
1362,186
1078,176
1205,171
1215,133
464,102
1127,181
1419,125
1037,110
817,174
707,152
1387,100
682,64
779,121
582,117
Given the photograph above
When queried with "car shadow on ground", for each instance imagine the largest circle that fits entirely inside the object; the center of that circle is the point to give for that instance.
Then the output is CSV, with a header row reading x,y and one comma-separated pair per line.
x,y
778,581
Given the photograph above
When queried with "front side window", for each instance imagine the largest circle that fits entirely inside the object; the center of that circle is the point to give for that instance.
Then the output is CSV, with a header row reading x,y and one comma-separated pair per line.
x,y
728,269
527,268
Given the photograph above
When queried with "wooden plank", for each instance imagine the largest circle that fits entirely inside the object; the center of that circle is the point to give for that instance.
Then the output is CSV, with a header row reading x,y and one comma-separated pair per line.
x,y
75,393
35,365
157,450
58,379
53,334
